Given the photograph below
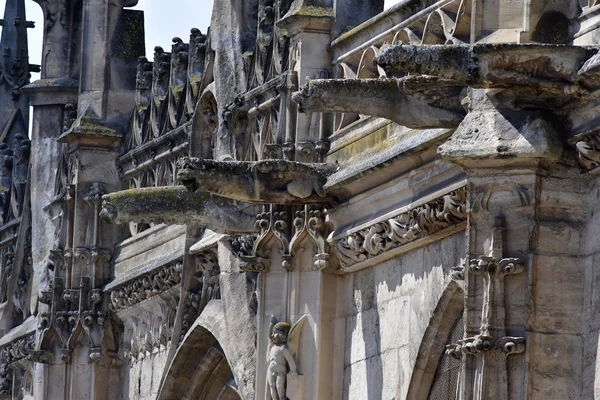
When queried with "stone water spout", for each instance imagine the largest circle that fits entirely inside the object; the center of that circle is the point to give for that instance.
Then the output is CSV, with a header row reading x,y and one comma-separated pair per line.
x,y
177,205
541,75
416,102
261,182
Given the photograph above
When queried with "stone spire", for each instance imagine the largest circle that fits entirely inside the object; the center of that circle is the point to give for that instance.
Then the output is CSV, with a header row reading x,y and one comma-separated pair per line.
x,y
14,70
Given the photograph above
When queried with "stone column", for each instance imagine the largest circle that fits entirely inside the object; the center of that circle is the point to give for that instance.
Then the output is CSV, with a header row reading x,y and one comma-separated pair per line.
x,y
308,24
516,181
56,88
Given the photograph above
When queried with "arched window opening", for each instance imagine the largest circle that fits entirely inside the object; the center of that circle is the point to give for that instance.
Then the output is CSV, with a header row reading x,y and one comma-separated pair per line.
x,y
445,381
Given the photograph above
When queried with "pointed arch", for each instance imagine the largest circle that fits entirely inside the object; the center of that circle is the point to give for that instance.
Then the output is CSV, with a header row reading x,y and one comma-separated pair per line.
x,y
206,365
445,316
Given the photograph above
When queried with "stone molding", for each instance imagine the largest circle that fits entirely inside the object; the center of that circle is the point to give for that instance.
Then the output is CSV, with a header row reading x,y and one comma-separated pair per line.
x,y
416,223
144,287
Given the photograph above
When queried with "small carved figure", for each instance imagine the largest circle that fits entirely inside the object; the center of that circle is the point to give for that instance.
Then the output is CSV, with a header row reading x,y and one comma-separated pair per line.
x,y
280,356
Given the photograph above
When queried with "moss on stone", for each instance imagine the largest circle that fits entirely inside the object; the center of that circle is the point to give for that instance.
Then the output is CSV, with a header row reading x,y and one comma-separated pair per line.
x,y
316,11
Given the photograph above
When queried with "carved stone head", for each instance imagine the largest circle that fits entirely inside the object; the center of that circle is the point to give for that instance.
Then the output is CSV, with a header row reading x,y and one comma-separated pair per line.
x,y
280,333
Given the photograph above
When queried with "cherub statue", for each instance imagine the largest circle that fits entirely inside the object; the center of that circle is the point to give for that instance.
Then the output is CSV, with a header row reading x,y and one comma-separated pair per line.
x,y
280,356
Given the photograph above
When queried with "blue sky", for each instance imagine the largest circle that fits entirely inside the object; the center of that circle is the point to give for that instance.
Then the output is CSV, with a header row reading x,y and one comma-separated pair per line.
x,y
164,19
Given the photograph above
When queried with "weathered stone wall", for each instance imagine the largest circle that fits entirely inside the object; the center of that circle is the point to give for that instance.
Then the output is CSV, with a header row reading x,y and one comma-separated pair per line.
x,y
387,309
589,245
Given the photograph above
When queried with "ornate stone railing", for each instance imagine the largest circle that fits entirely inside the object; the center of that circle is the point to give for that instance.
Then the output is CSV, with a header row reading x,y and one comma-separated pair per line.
x,y
269,107
167,91
410,22
15,271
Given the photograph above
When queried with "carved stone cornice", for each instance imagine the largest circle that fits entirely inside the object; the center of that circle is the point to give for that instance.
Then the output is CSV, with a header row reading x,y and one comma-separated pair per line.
x,y
144,287
407,227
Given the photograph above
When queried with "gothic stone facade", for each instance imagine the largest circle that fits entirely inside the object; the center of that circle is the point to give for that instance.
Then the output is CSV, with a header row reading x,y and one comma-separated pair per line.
x,y
316,199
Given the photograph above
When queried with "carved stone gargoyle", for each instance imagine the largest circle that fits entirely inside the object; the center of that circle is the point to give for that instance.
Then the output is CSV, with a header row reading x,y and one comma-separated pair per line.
x,y
177,205
541,76
261,182
418,102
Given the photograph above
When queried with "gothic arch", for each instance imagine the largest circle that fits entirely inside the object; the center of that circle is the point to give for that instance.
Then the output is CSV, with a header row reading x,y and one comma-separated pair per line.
x,y
448,310
200,368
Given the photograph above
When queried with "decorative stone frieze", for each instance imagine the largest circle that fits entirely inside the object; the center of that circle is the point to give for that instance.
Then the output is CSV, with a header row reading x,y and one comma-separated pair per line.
x,y
145,287
13,353
416,223
18,350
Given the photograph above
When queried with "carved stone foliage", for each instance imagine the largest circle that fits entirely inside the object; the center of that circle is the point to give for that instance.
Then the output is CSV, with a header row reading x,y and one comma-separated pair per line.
x,y
588,150
191,312
13,353
18,350
411,225
145,287
206,289
207,274
243,245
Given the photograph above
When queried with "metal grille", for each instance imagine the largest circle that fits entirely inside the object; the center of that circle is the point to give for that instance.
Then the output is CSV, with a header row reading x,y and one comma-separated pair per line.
x,y
445,380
